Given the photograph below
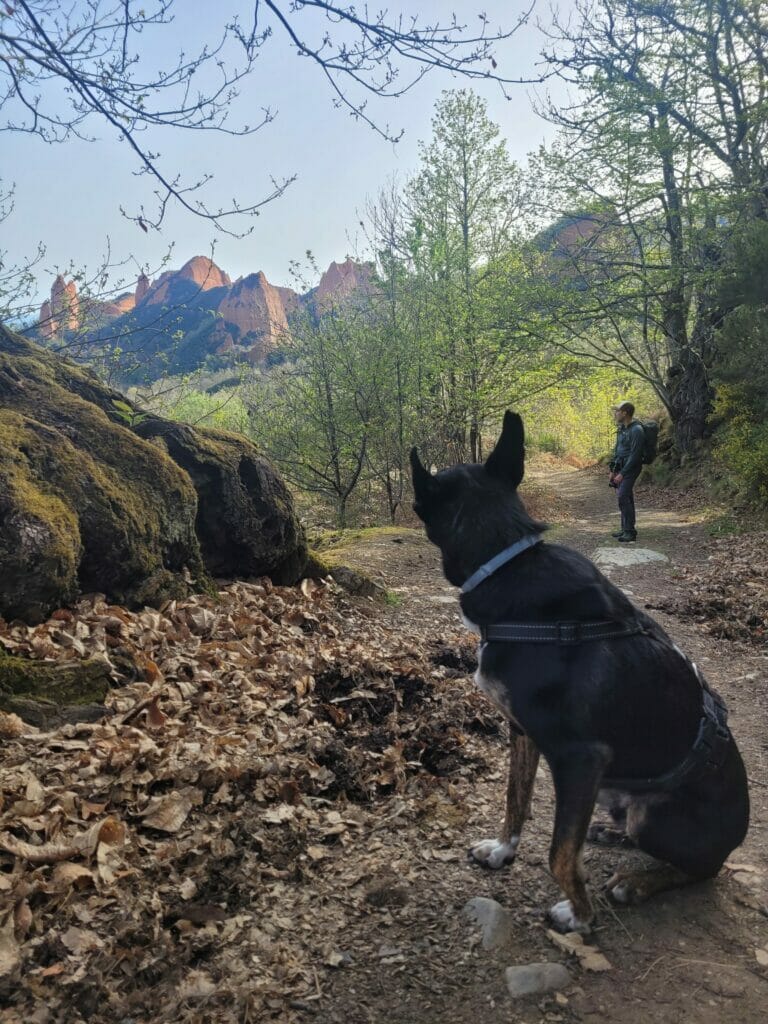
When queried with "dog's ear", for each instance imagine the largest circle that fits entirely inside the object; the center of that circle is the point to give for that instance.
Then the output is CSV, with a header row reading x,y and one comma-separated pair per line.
x,y
507,460
423,481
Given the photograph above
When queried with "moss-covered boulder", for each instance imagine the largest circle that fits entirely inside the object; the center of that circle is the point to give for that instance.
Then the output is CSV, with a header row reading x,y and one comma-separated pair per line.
x,y
96,496
246,523
85,505
48,694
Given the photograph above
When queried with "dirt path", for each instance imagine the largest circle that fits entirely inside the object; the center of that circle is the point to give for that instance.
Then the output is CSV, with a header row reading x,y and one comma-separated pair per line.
x,y
686,956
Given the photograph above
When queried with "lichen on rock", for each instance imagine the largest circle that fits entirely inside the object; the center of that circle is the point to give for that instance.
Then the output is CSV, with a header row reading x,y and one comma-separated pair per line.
x,y
246,522
47,693
85,505
97,496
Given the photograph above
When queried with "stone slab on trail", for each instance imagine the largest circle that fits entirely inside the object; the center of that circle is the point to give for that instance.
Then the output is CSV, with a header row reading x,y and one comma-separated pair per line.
x,y
606,556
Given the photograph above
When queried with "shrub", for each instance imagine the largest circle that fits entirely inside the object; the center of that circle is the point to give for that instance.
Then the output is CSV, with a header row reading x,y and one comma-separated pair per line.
x,y
740,448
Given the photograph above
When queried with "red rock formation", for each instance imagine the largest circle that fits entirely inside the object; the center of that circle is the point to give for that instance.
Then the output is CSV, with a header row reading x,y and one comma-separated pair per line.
x,y
47,325
122,304
142,287
252,314
340,280
64,309
256,308
200,270
291,300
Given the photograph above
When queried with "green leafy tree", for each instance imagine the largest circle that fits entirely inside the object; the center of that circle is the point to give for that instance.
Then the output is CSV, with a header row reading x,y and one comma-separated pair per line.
x,y
313,413
464,208
666,140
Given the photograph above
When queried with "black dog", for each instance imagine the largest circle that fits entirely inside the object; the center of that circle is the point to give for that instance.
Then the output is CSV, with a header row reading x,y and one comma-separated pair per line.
x,y
591,682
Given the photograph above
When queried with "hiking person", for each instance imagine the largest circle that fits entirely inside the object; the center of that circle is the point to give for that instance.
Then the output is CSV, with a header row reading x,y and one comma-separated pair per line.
x,y
626,465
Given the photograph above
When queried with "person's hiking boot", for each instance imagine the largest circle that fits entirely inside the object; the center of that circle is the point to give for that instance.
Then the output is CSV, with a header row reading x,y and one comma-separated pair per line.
x,y
627,537
618,533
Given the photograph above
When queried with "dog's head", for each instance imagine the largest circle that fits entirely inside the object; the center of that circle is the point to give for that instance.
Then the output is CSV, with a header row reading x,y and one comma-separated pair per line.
x,y
471,512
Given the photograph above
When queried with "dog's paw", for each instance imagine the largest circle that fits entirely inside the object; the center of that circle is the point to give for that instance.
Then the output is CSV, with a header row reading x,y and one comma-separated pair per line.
x,y
630,888
622,893
493,854
605,835
564,919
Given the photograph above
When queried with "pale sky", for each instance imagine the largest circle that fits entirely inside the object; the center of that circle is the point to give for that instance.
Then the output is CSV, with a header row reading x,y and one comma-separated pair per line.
x,y
68,196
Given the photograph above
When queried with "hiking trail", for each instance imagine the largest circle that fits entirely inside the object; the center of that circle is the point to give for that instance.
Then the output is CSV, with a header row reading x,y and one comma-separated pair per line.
x,y
697,954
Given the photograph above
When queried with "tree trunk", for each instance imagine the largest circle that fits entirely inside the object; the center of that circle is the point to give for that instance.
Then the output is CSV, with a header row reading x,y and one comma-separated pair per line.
x,y
691,392
692,397
341,513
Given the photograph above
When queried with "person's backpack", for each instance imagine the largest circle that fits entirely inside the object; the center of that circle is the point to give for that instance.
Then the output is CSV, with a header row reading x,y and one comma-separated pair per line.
x,y
650,440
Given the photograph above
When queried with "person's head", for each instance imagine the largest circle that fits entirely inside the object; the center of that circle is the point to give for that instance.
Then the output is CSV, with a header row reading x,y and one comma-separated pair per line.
x,y
623,413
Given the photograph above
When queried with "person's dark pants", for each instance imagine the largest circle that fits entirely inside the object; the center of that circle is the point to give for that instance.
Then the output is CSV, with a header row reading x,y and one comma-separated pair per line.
x,y
627,502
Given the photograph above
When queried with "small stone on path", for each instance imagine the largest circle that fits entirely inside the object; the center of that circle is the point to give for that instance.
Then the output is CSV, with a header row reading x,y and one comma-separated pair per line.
x,y
495,921
535,979
626,556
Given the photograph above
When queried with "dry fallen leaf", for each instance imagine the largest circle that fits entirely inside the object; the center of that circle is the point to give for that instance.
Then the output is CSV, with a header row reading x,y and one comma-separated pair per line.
x,y
22,918
11,726
10,956
108,831
69,875
81,940
196,985
167,813
590,958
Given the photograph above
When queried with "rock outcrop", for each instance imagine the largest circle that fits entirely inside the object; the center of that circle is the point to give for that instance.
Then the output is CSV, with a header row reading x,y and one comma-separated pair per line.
x,y
142,287
340,281
245,523
186,316
257,309
85,505
46,326
95,496
65,305
200,271
61,312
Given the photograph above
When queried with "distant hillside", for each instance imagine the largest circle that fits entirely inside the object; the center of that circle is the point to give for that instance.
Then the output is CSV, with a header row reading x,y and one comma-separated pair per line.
x,y
190,317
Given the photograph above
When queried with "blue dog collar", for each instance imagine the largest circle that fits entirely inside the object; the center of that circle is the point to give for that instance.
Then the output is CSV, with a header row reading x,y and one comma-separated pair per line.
x,y
497,561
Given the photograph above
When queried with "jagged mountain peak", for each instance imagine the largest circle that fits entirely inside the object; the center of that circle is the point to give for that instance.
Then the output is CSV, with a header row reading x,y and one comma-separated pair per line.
x,y
201,305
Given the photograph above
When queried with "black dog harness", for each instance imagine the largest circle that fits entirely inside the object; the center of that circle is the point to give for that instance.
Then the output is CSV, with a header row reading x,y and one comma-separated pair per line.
x,y
713,738
563,633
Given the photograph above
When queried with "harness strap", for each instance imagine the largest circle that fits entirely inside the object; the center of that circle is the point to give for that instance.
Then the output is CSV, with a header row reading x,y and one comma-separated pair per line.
x,y
713,738
562,633
707,753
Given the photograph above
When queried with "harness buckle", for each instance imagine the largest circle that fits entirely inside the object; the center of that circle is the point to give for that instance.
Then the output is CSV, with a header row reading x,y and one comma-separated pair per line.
x,y
568,633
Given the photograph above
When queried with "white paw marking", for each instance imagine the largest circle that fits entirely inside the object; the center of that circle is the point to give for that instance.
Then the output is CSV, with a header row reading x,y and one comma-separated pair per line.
x,y
564,919
622,893
494,854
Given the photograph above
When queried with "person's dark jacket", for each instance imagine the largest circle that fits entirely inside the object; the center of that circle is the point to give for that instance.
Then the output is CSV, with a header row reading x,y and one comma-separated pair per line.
x,y
628,453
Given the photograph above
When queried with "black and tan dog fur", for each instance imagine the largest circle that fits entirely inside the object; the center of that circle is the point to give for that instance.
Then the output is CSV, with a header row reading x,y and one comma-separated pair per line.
x,y
620,708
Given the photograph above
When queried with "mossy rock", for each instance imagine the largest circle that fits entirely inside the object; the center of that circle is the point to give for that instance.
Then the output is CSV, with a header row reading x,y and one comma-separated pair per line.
x,y
40,546
246,522
95,495
48,694
85,504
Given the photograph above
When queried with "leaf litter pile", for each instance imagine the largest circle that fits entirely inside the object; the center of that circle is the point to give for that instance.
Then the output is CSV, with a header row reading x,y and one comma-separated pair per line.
x,y
729,594
191,856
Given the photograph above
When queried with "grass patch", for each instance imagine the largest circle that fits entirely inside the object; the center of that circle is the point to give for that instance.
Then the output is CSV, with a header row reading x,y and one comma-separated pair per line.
x,y
725,526
324,540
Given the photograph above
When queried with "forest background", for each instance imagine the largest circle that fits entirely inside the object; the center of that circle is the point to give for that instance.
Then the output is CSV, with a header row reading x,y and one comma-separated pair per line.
x,y
628,259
